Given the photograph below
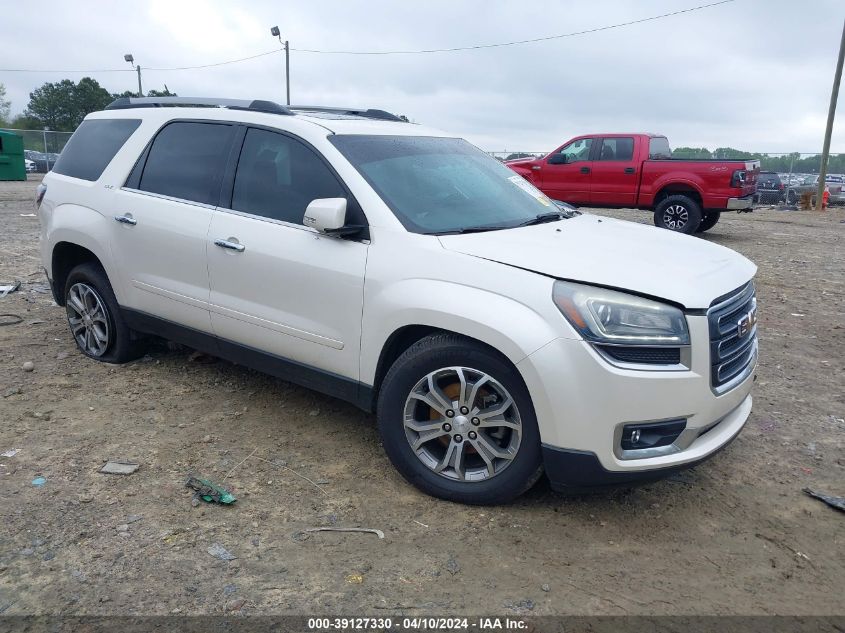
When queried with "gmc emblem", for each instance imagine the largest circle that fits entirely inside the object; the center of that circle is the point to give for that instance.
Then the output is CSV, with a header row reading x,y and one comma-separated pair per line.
x,y
746,323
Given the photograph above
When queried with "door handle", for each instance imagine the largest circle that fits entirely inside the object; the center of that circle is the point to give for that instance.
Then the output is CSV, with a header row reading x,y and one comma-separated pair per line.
x,y
585,170
126,219
234,246
630,170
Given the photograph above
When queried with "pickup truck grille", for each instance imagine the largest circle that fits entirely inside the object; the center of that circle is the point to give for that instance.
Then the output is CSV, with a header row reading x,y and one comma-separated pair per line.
x,y
733,337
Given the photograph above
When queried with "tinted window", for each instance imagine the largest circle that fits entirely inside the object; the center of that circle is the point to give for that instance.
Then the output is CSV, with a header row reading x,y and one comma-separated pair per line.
x,y
658,148
617,149
577,150
278,177
92,146
186,161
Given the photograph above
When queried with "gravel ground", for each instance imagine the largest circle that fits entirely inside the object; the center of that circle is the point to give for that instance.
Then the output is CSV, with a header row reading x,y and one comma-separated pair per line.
x,y
734,536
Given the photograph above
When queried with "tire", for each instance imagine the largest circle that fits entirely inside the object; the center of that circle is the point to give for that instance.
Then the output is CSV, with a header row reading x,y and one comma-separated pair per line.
x,y
791,197
469,472
678,213
94,317
709,221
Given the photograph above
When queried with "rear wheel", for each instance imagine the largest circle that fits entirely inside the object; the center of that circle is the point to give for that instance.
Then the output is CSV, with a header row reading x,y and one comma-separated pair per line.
x,y
456,420
678,213
709,221
94,317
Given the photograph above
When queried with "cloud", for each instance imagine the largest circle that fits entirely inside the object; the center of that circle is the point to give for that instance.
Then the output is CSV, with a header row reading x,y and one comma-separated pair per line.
x,y
746,74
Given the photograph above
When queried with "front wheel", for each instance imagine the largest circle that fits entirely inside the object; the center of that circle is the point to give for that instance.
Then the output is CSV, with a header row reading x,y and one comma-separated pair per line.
x,y
678,213
457,421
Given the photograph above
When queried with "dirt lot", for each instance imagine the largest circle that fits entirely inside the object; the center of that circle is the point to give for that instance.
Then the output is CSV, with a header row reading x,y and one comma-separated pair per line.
x,y
733,536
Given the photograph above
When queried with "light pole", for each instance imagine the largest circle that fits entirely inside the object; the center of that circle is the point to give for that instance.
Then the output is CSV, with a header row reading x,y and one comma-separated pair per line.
x,y
274,31
128,58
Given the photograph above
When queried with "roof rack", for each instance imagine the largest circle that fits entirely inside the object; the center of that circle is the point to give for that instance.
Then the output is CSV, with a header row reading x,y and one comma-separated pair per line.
x,y
256,105
367,113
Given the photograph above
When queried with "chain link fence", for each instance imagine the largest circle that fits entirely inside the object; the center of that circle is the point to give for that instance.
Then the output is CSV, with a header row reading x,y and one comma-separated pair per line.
x,y
42,147
786,179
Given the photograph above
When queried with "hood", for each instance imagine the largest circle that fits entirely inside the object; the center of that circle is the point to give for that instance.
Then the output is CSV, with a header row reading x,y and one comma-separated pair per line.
x,y
602,251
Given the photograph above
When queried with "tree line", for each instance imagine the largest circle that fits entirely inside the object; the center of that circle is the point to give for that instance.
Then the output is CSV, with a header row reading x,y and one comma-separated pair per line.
x,y
783,163
60,106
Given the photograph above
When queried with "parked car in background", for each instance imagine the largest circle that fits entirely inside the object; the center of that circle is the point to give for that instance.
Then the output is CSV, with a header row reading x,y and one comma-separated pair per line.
x,y
638,171
834,182
44,162
769,188
493,333
31,167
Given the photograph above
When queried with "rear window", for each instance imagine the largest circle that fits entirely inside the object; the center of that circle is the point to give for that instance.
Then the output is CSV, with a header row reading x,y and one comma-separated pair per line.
x,y
658,148
92,147
186,161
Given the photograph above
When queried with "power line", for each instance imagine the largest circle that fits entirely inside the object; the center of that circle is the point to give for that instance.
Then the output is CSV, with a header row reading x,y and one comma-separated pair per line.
x,y
396,52
515,42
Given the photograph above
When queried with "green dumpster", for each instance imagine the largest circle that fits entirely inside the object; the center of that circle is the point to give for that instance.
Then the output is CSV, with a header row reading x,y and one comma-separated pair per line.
x,y
12,166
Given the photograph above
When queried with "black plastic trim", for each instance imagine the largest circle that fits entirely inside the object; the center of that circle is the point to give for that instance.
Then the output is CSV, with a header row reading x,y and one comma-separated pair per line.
x,y
359,394
572,471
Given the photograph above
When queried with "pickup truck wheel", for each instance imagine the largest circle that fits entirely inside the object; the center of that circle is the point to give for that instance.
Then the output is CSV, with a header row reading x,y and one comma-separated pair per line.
x,y
94,317
457,421
678,213
709,221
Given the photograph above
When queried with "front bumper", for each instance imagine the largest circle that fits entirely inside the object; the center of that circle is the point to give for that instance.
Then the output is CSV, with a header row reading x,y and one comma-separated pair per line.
x,y
581,401
739,204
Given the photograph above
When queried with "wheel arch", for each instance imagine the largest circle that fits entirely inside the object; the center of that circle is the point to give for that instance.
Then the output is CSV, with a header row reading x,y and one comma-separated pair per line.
x,y
679,188
65,257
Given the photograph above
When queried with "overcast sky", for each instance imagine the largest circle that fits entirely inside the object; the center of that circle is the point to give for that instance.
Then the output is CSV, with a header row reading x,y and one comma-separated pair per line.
x,y
750,74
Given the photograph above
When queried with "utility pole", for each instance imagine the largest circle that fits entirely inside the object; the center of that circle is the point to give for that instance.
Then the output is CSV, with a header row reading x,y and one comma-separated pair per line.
x,y
275,32
831,113
287,69
140,90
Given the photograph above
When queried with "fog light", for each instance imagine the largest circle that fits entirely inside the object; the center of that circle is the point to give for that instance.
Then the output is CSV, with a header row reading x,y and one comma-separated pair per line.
x,y
651,434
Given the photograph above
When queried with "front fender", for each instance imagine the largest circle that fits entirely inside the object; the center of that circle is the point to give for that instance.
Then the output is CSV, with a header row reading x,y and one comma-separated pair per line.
x,y
511,327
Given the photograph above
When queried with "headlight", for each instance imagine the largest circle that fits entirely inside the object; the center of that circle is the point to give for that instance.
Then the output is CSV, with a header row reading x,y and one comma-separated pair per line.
x,y
607,316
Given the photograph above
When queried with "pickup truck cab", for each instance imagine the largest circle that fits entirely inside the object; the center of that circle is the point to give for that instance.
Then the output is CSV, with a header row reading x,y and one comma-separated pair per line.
x,y
494,334
637,171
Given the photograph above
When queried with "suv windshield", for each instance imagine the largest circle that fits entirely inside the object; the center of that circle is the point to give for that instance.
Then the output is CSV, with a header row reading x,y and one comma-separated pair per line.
x,y
443,185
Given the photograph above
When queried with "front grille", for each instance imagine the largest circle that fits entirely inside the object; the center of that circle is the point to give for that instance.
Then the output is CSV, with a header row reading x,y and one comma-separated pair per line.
x,y
732,350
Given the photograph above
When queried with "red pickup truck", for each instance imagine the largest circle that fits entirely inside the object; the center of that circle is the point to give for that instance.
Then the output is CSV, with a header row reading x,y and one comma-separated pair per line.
x,y
637,171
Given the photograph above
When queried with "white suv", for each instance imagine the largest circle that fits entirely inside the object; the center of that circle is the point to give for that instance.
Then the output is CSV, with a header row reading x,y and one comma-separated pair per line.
x,y
494,333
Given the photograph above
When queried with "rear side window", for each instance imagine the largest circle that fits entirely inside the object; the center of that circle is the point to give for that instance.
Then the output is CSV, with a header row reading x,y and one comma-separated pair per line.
x,y
92,147
278,177
617,149
658,148
186,161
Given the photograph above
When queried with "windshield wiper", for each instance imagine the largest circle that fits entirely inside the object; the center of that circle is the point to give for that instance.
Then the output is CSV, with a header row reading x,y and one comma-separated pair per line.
x,y
472,229
553,216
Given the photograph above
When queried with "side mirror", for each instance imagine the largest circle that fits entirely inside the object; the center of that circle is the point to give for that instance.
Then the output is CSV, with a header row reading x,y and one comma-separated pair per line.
x,y
558,159
327,215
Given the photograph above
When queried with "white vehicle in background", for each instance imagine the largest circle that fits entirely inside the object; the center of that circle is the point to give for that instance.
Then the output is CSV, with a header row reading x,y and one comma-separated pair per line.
x,y
31,167
494,333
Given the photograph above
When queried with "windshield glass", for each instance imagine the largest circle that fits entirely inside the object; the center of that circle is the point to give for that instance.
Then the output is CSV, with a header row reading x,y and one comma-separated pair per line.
x,y
442,185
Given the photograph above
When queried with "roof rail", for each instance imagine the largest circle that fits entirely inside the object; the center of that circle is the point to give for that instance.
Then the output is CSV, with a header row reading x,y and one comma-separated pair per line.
x,y
255,105
368,113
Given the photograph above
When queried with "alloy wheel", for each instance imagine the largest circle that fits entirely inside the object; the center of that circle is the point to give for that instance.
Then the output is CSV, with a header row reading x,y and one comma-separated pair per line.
x,y
88,319
675,216
462,424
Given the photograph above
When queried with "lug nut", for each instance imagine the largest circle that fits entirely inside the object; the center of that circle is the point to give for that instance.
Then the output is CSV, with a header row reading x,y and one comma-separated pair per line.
x,y
459,438
475,421
472,435
464,410
447,427
450,414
